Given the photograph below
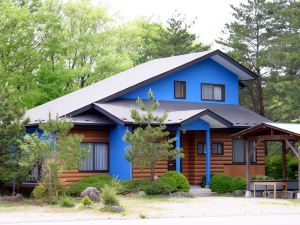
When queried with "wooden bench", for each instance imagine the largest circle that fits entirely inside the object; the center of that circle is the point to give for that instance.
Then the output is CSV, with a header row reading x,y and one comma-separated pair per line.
x,y
275,184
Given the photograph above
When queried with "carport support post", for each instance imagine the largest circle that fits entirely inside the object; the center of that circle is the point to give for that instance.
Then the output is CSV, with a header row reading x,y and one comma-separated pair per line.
x,y
298,194
178,145
248,192
207,159
283,160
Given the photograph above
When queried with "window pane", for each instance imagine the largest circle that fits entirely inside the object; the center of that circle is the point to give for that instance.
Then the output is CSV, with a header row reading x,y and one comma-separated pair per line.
x,y
201,149
252,152
207,92
218,93
217,148
101,156
88,163
180,89
238,151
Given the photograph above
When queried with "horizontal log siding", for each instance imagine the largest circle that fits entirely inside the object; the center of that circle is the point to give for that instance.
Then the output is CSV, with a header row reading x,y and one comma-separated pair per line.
x,y
89,135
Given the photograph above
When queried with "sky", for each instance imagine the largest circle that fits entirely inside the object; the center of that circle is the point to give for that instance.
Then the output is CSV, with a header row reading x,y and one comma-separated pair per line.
x,y
211,14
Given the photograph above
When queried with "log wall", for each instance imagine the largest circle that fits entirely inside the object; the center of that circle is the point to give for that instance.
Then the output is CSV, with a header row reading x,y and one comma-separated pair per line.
x,y
89,135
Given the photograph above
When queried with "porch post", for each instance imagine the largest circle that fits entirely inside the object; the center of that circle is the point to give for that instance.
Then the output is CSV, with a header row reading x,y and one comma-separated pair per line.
x,y
178,145
207,168
283,160
298,194
248,192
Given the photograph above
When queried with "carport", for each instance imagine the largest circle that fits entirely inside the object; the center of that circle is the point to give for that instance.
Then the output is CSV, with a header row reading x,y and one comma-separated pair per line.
x,y
287,133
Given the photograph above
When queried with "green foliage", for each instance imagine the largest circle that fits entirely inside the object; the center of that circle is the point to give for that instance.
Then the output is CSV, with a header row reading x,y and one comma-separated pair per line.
x,y
176,180
274,166
109,196
67,202
86,201
11,129
39,192
149,142
259,177
155,187
238,183
54,151
98,182
222,183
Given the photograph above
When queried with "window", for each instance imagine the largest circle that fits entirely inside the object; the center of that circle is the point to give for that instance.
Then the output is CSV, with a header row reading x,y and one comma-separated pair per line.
x,y
217,148
97,159
239,151
179,89
201,148
213,92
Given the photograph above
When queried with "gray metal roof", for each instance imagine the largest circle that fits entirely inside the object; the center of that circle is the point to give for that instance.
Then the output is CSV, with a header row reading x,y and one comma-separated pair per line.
x,y
290,127
128,80
91,119
178,112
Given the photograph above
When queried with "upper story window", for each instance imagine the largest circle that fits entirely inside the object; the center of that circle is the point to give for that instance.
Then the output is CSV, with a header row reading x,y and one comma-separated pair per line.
x,y
213,92
180,89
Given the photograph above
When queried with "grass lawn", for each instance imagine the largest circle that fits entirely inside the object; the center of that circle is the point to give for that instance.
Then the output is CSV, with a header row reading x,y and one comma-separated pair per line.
x,y
150,207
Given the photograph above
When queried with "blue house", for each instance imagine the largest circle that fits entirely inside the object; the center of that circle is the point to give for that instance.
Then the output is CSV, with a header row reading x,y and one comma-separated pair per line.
x,y
200,93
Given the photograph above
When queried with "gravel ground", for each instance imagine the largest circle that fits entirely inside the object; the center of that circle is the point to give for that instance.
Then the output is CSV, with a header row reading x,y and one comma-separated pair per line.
x,y
152,208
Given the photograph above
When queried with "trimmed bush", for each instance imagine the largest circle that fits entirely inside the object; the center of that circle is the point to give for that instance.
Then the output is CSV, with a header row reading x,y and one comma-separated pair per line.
x,y
238,183
67,202
155,187
220,183
129,186
109,196
177,181
94,181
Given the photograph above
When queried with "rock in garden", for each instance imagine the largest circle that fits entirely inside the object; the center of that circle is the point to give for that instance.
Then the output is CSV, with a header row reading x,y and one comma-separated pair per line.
x,y
92,193
239,193
116,208
142,193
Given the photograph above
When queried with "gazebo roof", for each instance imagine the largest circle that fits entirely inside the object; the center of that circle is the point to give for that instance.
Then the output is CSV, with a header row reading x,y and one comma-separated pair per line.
x,y
271,131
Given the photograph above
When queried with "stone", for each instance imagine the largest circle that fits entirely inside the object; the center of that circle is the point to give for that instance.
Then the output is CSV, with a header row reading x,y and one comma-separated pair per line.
x,y
180,194
248,194
92,192
116,208
142,193
239,193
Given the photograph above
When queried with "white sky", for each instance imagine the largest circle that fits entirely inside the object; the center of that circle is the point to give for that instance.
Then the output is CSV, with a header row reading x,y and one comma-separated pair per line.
x,y
211,14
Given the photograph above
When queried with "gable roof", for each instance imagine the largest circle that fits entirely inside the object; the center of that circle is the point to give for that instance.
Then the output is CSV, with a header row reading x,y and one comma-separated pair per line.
x,y
290,128
217,115
129,80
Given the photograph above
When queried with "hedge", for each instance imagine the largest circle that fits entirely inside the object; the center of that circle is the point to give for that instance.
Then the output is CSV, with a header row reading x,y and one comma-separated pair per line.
x,y
222,183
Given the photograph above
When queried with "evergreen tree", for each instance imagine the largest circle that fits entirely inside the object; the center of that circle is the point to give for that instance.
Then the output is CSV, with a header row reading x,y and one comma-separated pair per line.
x,y
149,142
247,40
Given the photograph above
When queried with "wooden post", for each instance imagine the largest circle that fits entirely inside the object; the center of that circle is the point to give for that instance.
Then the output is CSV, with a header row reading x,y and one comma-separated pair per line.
x,y
248,193
298,194
283,160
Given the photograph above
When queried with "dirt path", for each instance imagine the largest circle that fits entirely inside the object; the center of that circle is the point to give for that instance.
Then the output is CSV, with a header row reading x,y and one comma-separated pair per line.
x,y
153,208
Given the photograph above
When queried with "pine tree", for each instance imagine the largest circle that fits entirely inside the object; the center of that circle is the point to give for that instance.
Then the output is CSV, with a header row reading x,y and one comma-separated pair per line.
x,y
149,141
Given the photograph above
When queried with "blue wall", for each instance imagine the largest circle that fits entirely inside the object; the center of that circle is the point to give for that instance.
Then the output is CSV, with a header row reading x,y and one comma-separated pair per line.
x,y
207,71
119,167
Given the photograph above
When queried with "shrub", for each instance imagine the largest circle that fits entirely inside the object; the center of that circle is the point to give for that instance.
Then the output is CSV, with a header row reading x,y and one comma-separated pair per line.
x,y
94,181
220,183
176,180
274,166
39,192
109,196
67,202
155,187
130,186
292,167
86,201
261,177
238,183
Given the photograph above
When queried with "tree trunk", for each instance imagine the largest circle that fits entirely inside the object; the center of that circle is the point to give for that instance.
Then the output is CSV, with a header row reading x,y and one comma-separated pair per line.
x,y
260,97
152,172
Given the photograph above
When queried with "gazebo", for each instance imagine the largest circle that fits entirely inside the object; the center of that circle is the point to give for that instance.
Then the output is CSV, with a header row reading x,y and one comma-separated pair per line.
x,y
287,133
